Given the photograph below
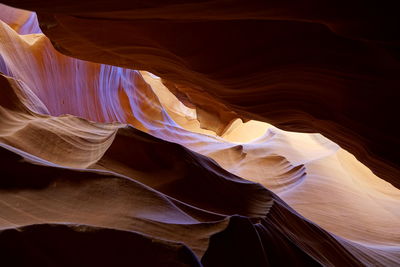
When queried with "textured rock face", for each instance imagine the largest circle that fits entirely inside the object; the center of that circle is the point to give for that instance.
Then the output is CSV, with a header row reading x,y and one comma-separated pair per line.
x,y
308,66
94,154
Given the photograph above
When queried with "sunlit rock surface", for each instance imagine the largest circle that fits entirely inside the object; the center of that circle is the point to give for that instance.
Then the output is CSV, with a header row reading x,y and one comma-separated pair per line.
x,y
95,155
311,66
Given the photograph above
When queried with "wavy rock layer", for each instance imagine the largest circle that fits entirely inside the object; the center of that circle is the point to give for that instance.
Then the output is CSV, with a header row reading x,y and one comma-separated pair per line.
x,y
329,67
196,196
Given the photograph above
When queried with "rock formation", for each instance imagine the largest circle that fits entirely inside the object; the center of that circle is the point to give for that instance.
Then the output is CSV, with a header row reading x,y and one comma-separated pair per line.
x,y
141,142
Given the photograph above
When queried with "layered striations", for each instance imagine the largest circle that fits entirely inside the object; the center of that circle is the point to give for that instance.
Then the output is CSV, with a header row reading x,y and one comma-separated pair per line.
x,y
105,165
329,67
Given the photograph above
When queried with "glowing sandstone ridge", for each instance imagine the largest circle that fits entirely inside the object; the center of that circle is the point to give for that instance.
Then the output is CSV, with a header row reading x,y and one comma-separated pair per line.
x,y
95,154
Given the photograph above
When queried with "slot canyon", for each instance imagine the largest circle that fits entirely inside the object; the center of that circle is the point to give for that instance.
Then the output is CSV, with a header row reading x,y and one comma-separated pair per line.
x,y
199,133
